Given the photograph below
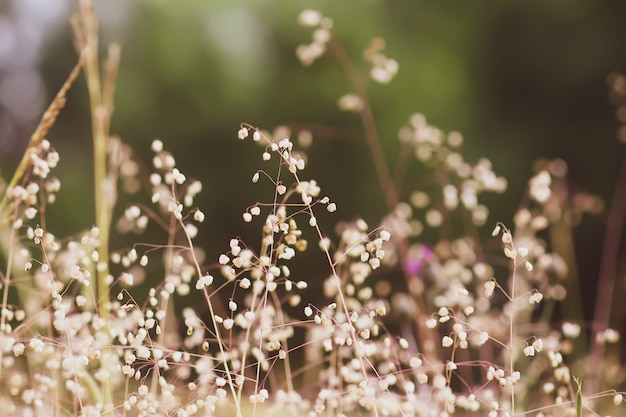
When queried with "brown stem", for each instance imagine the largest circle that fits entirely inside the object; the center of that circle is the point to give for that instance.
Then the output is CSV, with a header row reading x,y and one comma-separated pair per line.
x,y
606,279
369,125
387,184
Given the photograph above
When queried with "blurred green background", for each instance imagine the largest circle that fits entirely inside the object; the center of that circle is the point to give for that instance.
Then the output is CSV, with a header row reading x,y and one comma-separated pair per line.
x,y
520,79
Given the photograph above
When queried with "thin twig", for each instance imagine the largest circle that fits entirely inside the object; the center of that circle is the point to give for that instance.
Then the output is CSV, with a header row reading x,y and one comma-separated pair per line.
x,y
387,183
606,279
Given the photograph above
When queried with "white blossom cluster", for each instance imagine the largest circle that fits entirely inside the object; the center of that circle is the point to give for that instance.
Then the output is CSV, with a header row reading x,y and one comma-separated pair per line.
x,y
416,317
322,34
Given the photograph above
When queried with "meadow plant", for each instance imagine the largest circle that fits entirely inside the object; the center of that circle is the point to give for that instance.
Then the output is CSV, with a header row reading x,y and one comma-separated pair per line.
x,y
463,324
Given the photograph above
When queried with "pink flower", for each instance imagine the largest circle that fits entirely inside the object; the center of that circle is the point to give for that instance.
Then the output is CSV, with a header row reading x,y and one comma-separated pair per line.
x,y
414,266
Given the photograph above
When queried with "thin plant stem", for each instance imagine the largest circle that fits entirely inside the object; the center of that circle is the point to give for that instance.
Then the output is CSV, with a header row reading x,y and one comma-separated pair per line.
x,y
387,183
512,333
606,279
5,290
220,340
370,130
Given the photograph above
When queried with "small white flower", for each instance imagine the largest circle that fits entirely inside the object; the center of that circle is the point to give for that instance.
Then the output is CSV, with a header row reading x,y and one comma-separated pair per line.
x,y
415,362
30,213
571,330
157,146
245,283
523,251
540,187
434,218
529,351
18,348
351,103
198,216
447,341
143,390
242,133
374,263
204,281
178,177
489,287
309,18
535,298
611,336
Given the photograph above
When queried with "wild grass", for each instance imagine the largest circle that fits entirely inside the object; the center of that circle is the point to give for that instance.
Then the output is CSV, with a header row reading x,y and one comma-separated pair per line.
x,y
466,324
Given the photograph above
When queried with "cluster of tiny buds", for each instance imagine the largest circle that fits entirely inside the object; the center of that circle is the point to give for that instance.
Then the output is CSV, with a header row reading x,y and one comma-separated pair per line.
x,y
500,376
43,158
460,336
535,347
240,259
283,147
384,69
539,187
510,250
438,150
308,53
166,183
308,190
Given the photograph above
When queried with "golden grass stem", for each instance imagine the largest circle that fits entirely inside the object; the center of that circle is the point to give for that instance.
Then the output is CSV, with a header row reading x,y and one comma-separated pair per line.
x,y
101,92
